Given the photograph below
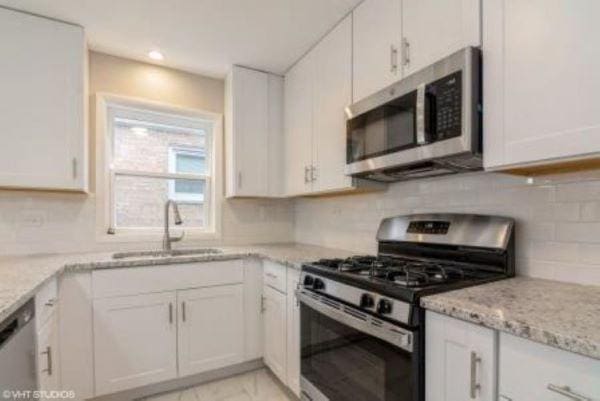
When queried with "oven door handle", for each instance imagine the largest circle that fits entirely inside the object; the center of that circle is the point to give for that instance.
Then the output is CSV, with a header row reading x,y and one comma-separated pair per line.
x,y
358,319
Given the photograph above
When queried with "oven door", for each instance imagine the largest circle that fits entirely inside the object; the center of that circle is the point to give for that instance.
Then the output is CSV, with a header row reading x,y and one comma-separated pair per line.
x,y
348,355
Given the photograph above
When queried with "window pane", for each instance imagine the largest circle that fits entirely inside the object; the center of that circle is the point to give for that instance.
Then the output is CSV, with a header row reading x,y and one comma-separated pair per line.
x,y
142,146
190,163
189,187
140,201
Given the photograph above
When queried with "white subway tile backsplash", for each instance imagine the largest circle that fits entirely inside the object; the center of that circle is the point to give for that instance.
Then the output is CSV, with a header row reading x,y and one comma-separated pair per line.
x,y
558,218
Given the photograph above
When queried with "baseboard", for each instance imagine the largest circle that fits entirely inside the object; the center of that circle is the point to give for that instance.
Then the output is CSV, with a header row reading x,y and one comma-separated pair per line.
x,y
182,383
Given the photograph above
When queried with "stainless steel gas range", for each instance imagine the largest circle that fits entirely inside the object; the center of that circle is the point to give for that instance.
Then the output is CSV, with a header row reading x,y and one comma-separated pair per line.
x,y
362,329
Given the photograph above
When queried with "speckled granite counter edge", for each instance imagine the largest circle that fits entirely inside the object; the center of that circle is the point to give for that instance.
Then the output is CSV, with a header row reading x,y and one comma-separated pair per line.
x,y
61,267
517,328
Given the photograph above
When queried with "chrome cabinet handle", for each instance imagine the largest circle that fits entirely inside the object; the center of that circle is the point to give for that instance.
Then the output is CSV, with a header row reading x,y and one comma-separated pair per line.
x,y
263,307
306,172
74,168
48,354
405,52
183,311
270,275
51,302
567,392
474,385
313,173
393,59
170,313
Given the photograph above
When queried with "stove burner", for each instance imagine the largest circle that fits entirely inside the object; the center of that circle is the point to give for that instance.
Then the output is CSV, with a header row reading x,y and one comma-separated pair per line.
x,y
399,271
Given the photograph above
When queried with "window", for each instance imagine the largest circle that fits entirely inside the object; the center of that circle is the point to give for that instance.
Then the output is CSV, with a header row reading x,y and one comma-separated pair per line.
x,y
156,156
191,161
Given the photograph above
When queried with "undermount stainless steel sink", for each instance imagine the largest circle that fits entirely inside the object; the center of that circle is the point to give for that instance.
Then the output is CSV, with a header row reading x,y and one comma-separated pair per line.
x,y
165,254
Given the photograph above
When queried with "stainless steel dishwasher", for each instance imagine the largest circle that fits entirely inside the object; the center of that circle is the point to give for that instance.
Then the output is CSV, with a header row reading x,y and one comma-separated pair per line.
x,y
17,353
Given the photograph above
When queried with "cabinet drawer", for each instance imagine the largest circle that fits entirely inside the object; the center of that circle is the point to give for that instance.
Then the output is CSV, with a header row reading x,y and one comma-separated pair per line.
x,y
274,276
140,280
527,369
46,302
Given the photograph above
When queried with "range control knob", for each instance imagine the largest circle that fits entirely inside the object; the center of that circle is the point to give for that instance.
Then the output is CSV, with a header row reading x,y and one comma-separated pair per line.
x,y
384,307
318,284
308,281
367,301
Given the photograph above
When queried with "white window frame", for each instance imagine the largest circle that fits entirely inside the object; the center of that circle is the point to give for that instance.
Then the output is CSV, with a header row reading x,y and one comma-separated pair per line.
x,y
105,174
175,151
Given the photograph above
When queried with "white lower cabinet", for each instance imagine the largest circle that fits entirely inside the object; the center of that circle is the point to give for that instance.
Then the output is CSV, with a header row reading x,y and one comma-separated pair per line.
x,y
135,341
532,371
460,360
293,332
211,328
275,320
48,356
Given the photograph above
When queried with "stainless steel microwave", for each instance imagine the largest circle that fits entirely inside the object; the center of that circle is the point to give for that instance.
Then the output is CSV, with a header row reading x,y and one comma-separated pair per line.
x,y
426,124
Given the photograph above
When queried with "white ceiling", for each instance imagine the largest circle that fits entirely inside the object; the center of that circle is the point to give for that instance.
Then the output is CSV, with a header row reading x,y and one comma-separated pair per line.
x,y
202,36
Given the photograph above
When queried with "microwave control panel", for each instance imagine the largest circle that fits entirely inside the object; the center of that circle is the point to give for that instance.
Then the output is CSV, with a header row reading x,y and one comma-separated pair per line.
x,y
444,100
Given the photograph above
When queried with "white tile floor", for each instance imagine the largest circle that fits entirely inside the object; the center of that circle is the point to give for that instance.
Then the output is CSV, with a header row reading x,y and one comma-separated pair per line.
x,y
258,385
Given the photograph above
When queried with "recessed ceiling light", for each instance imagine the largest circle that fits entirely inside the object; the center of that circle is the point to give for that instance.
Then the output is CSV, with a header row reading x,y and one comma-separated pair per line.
x,y
155,55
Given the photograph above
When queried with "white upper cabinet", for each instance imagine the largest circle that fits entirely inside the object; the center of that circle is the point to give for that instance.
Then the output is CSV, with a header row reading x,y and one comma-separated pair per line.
x,y
434,29
253,129
541,81
377,32
42,103
298,123
317,89
532,371
460,362
332,93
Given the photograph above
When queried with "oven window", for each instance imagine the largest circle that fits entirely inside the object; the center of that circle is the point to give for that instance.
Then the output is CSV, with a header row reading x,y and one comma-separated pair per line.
x,y
348,365
383,130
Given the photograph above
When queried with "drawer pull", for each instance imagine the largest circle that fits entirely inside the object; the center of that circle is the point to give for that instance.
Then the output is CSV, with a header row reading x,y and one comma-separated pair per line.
x,y
48,354
475,360
51,302
567,392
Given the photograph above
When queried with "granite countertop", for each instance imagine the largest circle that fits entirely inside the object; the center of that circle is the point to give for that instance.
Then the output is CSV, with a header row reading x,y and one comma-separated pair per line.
x,y
22,276
562,315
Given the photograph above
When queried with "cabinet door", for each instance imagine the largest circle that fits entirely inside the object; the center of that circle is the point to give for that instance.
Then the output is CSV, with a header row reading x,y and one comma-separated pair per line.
x,y
43,133
333,92
47,356
211,328
135,341
434,29
527,369
377,30
459,357
275,142
298,121
275,332
541,81
247,131
293,332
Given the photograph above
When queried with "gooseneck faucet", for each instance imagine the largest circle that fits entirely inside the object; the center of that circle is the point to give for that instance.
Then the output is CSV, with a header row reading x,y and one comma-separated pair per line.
x,y
167,239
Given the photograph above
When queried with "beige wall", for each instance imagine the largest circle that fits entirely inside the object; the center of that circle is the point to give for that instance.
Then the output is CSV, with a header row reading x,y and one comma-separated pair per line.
x,y
132,78
39,222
